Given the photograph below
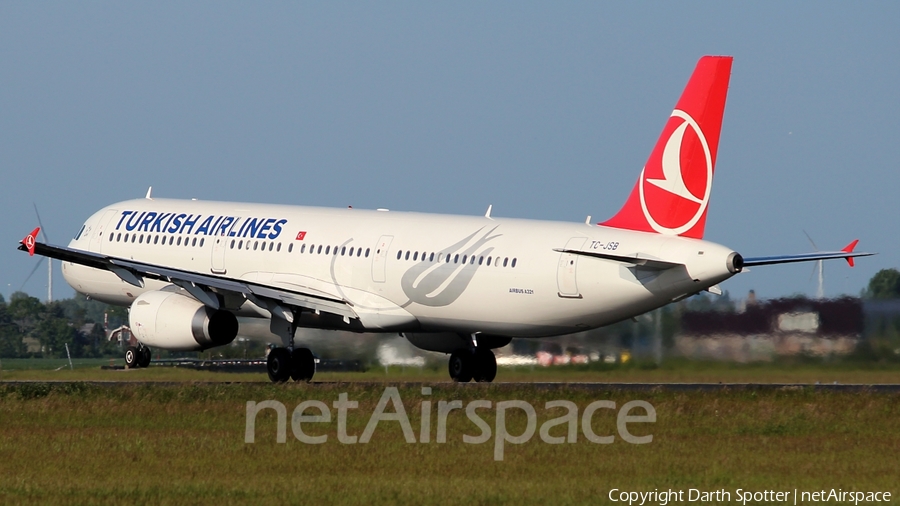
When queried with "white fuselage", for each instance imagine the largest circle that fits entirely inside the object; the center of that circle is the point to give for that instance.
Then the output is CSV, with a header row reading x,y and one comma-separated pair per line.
x,y
460,274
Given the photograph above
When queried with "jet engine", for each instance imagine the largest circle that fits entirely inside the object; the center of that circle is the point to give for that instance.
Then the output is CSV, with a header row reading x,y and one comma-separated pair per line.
x,y
173,321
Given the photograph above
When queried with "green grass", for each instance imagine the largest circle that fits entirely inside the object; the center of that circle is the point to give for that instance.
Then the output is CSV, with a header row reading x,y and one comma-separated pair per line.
x,y
150,444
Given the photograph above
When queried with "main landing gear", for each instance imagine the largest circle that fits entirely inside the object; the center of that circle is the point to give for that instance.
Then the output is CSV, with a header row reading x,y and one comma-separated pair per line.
x,y
466,365
298,365
137,356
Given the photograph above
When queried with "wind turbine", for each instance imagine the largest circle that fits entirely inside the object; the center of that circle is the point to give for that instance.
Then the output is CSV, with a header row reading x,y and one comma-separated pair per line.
x,y
38,264
820,293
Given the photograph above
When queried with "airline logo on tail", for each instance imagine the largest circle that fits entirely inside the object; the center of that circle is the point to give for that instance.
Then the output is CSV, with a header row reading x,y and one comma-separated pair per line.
x,y
688,191
672,195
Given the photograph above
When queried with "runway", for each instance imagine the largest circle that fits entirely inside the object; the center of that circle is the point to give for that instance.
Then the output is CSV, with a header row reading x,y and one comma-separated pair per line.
x,y
500,386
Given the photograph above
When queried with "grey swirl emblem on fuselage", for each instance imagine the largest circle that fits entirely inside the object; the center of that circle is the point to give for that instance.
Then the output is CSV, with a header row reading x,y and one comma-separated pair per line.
x,y
423,280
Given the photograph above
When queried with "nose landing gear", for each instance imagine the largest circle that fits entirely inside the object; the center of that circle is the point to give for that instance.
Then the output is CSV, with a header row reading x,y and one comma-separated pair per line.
x,y
138,356
466,365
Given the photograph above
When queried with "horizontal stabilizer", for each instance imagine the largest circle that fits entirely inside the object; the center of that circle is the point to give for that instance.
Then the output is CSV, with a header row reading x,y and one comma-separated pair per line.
x,y
847,254
647,263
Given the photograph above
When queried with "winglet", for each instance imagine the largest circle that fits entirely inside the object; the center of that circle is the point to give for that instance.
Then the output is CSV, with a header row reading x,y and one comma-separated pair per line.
x,y
849,249
30,240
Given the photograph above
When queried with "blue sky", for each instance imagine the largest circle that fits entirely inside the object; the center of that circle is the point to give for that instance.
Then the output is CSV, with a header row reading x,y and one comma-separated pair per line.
x,y
545,110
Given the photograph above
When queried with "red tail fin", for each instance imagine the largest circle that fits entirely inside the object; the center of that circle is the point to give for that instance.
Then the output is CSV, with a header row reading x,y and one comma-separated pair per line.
x,y
672,195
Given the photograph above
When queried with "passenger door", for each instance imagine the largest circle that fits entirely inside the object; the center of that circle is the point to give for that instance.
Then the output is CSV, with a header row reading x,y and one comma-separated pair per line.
x,y
379,260
566,272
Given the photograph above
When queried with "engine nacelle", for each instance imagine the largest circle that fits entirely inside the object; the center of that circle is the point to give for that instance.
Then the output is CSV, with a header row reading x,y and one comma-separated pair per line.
x,y
172,321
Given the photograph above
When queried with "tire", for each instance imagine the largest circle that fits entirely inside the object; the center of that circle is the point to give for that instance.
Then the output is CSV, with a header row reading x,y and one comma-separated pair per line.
x,y
144,356
132,357
485,365
460,366
303,365
278,365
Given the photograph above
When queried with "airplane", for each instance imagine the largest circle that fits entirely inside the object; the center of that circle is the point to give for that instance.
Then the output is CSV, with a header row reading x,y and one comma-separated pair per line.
x,y
460,285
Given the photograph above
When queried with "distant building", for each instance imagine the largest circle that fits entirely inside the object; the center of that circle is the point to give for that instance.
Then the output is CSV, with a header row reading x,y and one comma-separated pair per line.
x,y
768,329
122,336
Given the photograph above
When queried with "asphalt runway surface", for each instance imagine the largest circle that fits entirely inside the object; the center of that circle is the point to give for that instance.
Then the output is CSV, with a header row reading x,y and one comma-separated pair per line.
x,y
499,386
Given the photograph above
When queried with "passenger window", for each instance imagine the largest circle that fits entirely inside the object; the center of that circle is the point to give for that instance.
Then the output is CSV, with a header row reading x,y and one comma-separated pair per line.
x,y
367,252
472,260
240,244
335,250
359,252
431,258
415,256
118,237
255,245
232,244
179,239
489,261
464,258
271,245
110,236
194,242
514,262
327,249
399,254
155,239
343,250
505,260
351,251
448,259
319,252
456,259
201,242
480,260
302,248
141,240
278,248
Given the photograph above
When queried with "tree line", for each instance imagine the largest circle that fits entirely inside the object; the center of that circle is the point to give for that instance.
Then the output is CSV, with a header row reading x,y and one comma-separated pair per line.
x,y
31,328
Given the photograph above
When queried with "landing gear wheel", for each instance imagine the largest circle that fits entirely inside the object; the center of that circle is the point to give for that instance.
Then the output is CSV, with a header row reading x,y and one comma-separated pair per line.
x,y
144,356
485,365
279,365
461,366
303,364
132,356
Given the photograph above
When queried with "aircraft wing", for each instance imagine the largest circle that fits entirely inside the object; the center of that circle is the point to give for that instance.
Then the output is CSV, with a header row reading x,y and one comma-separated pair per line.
x,y
846,253
201,286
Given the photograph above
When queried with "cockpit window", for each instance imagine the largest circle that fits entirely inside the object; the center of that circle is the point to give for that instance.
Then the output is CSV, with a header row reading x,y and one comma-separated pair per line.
x,y
78,235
